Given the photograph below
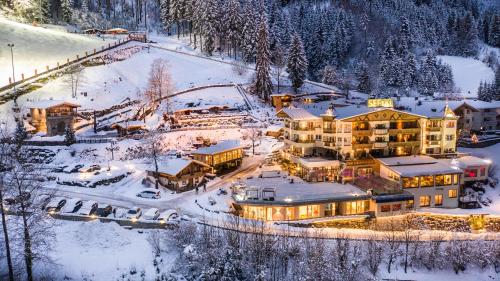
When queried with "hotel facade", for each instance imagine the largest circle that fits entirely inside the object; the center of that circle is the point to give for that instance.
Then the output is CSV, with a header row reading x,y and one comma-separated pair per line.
x,y
399,161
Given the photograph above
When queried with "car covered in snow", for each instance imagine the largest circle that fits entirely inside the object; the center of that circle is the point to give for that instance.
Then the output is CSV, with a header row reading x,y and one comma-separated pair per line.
x,y
170,215
103,210
88,208
55,205
72,205
147,193
134,213
151,214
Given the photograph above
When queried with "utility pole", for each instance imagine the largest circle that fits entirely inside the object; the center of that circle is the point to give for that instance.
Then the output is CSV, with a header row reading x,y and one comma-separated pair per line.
x,y
11,46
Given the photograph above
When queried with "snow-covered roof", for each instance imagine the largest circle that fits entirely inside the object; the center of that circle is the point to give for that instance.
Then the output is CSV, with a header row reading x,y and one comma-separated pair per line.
x,y
129,124
407,160
220,147
45,104
174,166
298,113
316,162
435,108
421,165
301,192
470,161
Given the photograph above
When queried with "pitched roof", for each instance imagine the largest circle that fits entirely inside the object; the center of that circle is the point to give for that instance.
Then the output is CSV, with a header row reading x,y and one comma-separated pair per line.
x,y
298,113
45,104
220,147
174,166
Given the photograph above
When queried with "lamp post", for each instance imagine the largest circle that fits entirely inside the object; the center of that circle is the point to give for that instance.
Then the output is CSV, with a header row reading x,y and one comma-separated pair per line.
x,y
11,46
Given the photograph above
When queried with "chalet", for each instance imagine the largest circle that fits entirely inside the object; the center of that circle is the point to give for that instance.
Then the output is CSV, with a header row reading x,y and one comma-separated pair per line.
x,y
222,156
128,127
52,116
180,174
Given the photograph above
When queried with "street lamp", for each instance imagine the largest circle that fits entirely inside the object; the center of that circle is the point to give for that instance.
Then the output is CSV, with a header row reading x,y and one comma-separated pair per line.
x,y
11,46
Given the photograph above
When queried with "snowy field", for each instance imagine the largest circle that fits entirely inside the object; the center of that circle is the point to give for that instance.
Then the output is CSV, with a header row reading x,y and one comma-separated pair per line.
x,y
468,74
37,47
210,96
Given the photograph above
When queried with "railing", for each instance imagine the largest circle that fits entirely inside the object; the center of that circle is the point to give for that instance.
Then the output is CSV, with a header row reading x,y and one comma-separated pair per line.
x,y
380,131
433,129
432,142
357,145
380,144
366,132
298,128
404,143
404,130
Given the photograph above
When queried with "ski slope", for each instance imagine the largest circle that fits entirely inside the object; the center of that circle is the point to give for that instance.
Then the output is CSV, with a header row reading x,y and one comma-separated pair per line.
x,y
468,73
37,47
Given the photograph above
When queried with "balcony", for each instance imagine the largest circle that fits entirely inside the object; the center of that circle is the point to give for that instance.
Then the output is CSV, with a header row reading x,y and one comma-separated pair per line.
x,y
433,129
383,131
404,143
380,144
405,131
363,145
329,144
432,142
299,128
360,133
328,130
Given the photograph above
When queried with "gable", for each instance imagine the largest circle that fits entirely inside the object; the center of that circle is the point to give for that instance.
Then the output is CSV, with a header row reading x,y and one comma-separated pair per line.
x,y
383,115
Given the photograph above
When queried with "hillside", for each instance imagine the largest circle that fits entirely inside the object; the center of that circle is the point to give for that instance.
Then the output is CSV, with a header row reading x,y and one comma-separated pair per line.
x,y
37,47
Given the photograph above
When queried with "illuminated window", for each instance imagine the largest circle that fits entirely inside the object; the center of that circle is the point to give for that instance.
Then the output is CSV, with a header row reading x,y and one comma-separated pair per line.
x,y
452,193
356,207
425,201
443,180
426,181
410,182
385,208
409,204
396,207
450,124
290,213
308,211
470,173
438,200
347,128
455,179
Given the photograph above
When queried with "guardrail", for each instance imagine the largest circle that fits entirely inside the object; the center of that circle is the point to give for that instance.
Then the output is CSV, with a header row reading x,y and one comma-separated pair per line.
x,y
60,66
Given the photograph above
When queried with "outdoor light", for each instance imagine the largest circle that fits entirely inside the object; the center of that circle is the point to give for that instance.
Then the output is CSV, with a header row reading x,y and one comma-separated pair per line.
x,y
487,161
288,200
134,219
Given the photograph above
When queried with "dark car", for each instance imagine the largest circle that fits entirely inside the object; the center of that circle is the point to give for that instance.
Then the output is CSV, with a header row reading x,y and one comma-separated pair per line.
x,y
55,205
104,210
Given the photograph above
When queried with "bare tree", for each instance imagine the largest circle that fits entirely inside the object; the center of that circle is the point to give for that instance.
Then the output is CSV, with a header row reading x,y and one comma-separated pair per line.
x,y
160,85
253,134
75,77
392,242
373,254
25,181
458,254
154,239
279,63
410,237
5,149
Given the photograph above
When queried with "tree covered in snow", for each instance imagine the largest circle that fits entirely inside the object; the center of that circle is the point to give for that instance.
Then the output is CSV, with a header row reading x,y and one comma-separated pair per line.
x,y
330,76
363,77
297,62
66,10
249,32
428,79
262,85
69,136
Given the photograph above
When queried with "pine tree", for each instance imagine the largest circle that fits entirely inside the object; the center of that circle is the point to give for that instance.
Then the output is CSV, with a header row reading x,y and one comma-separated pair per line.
x,y
445,78
297,62
249,32
176,13
363,77
263,85
69,136
494,31
210,22
233,21
329,76
428,80
165,13
20,134
66,10
85,7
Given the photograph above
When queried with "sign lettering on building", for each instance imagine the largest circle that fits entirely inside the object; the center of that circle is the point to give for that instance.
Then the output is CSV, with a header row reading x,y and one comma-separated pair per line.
x,y
388,103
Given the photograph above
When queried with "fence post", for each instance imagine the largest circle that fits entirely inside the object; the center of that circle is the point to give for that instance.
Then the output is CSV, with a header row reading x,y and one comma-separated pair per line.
x,y
57,64
102,48
35,72
10,80
67,60
94,50
22,76
86,54
109,45
47,67
77,57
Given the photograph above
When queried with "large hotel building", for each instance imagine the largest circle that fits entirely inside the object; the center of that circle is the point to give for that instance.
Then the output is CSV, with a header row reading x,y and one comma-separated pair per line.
x,y
364,159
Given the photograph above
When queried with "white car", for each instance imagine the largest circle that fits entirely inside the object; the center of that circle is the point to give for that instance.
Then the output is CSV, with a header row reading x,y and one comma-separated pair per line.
x,y
72,205
148,193
88,208
134,213
151,214
168,215
55,205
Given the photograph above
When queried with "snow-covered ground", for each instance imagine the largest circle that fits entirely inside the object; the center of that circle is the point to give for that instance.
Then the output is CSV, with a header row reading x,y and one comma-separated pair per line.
x,y
468,73
36,47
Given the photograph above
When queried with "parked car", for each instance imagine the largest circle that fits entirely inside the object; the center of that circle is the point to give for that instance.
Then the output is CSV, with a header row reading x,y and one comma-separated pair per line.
x,y
151,214
55,205
168,216
134,213
72,205
104,210
88,208
153,194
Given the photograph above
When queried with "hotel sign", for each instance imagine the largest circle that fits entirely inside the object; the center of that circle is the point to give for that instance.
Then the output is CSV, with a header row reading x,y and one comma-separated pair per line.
x,y
381,103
